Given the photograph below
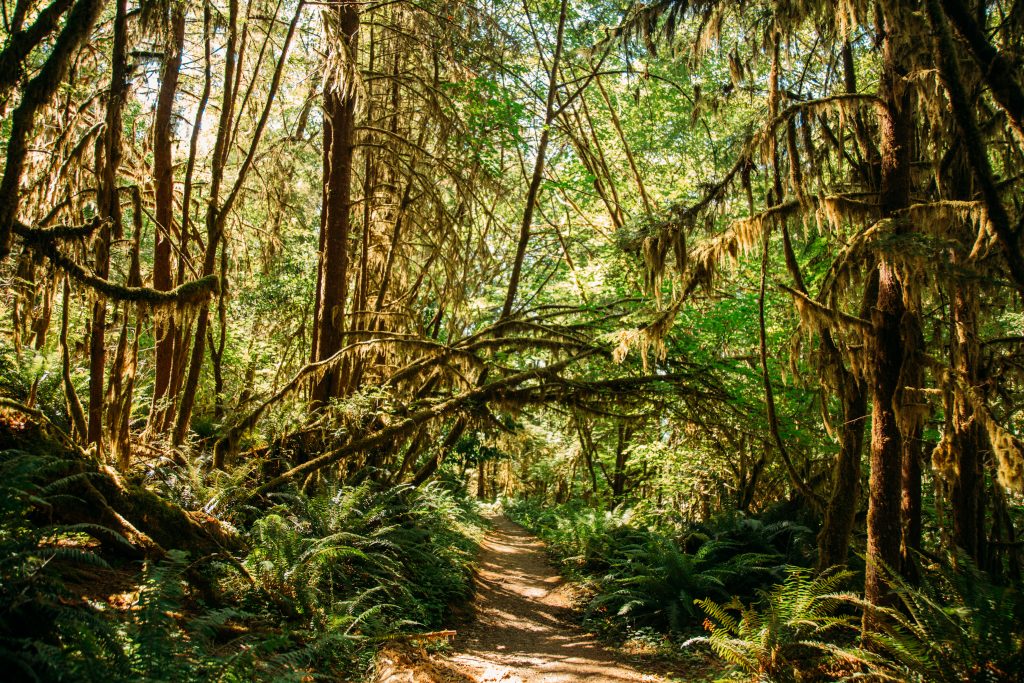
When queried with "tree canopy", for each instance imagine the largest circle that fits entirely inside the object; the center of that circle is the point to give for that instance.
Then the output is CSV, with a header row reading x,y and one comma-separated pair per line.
x,y
692,259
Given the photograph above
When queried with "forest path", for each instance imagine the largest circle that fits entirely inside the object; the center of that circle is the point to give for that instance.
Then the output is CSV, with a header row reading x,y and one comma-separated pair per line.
x,y
523,631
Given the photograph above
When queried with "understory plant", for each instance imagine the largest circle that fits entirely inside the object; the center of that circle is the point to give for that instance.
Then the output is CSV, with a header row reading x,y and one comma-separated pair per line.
x,y
366,560
325,579
655,583
645,570
955,625
802,629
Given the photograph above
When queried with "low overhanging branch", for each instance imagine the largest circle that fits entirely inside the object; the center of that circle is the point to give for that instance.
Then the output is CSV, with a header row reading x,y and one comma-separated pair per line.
x,y
43,241
410,422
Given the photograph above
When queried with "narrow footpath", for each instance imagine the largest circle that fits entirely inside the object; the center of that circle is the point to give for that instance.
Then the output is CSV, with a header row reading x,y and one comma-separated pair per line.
x,y
522,631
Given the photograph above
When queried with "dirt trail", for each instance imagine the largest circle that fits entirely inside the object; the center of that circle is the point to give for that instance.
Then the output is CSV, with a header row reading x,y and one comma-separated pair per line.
x,y
522,632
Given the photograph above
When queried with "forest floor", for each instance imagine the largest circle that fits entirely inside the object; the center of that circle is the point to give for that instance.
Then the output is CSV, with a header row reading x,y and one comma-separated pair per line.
x,y
523,630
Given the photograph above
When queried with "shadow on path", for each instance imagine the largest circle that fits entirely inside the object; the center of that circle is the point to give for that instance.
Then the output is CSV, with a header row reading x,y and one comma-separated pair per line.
x,y
522,631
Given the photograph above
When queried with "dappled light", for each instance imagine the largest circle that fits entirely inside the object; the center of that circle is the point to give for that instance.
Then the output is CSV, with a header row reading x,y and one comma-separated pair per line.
x,y
450,341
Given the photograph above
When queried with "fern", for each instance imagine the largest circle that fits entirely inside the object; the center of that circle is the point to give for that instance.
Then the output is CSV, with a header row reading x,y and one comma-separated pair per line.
x,y
45,631
957,625
799,626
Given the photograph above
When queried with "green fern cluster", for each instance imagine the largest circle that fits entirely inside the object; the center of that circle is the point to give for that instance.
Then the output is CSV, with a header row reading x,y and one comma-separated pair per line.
x,y
956,626
802,629
646,569
655,583
43,633
327,577
366,561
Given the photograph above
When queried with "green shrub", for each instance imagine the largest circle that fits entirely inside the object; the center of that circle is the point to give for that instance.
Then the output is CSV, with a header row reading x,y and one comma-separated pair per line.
x,y
645,570
654,583
957,625
802,629
327,578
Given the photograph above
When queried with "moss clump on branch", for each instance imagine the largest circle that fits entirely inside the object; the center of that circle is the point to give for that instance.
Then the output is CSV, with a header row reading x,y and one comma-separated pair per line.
x,y
43,241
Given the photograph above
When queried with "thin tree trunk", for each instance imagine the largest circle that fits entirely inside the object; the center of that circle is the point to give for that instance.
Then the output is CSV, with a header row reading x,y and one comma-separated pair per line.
x,y
885,349
966,492
998,71
71,395
914,412
110,210
183,323
538,169
213,230
963,111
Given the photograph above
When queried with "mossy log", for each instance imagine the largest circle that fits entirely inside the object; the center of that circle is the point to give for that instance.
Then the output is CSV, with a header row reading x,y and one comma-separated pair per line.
x,y
150,524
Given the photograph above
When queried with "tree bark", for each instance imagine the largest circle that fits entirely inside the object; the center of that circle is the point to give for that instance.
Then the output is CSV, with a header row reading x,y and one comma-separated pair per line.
x,y
885,346
109,208
165,330
966,493
335,217
214,229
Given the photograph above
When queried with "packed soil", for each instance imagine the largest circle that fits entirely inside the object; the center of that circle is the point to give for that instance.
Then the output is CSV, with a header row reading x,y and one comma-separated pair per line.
x,y
523,630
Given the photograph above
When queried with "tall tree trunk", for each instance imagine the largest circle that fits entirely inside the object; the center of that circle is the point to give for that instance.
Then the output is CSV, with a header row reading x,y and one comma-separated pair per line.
x,y
163,177
885,344
214,230
335,217
841,506
621,458
967,488
183,323
109,206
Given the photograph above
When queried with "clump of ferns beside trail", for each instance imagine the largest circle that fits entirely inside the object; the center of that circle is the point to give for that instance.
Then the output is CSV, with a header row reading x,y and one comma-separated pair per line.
x,y
320,582
744,588
644,571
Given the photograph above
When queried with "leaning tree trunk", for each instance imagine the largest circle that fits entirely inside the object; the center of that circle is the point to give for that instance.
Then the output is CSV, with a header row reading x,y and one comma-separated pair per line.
x,y
533,192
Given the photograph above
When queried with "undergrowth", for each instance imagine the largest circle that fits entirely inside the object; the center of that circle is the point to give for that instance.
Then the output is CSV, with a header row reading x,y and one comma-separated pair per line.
x,y
326,579
646,571
747,586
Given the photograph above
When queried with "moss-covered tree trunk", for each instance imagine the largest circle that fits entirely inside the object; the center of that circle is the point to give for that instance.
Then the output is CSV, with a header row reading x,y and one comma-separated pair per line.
x,y
885,346
336,212
967,488
163,178
109,208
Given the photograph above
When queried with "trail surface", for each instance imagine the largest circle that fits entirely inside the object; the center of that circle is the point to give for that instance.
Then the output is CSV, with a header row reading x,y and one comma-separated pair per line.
x,y
522,632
